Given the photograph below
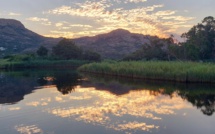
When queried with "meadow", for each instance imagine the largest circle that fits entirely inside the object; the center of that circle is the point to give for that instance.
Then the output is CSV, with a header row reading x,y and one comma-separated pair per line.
x,y
155,70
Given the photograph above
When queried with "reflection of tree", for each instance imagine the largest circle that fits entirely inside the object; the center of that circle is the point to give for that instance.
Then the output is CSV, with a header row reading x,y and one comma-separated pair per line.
x,y
42,81
66,82
203,101
15,85
201,96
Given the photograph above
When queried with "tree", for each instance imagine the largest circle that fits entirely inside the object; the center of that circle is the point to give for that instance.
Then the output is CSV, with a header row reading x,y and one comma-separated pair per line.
x,y
91,56
202,36
66,49
42,51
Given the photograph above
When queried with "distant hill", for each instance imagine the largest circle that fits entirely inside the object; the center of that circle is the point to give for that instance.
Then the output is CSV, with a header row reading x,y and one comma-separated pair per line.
x,y
114,45
15,38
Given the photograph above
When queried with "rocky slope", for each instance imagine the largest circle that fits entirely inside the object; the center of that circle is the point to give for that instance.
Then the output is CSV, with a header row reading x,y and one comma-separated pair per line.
x,y
114,45
15,38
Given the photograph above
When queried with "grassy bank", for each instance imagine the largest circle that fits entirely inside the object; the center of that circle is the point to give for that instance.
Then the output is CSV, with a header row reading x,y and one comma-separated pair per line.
x,y
5,64
170,71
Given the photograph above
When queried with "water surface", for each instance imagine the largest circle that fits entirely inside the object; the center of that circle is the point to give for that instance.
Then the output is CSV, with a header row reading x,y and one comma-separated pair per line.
x,y
54,102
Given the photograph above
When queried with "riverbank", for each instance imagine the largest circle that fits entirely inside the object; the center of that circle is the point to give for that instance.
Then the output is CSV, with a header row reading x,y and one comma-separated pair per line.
x,y
5,64
156,70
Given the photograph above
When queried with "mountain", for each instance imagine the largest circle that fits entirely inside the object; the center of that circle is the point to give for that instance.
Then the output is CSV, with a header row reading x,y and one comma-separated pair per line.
x,y
114,45
15,38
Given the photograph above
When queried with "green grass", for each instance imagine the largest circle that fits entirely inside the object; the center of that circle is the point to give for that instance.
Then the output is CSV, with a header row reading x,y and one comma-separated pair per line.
x,y
157,70
39,63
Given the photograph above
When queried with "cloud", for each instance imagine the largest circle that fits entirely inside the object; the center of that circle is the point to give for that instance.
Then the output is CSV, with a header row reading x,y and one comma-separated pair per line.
x,y
165,13
178,18
59,24
37,19
80,25
104,15
136,1
129,1
43,21
14,14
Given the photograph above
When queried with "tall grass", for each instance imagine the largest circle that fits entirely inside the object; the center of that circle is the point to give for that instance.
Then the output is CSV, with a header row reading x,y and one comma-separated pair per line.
x,y
5,64
159,70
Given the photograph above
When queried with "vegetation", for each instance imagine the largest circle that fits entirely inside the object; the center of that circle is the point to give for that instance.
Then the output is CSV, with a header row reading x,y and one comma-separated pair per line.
x,y
64,54
66,49
201,38
42,51
156,51
171,71
31,61
199,45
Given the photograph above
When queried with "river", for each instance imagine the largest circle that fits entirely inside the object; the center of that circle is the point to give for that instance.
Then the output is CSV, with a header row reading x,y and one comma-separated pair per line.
x,y
66,102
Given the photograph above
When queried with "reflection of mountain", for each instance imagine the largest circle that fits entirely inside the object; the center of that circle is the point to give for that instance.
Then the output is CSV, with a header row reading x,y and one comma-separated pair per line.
x,y
13,90
15,85
201,96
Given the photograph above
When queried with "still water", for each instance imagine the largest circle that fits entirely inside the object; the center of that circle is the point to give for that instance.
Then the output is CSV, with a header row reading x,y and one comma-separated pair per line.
x,y
65,102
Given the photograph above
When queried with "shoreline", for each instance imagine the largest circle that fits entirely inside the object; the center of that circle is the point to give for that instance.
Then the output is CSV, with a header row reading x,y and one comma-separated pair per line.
x,y
187,72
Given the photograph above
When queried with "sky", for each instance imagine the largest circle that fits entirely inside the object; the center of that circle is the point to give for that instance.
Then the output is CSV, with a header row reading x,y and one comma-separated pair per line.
x,y
77,18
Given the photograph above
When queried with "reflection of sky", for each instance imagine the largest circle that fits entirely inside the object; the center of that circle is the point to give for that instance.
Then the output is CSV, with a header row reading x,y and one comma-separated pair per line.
x,y
135,112
75,18
138,104
32,129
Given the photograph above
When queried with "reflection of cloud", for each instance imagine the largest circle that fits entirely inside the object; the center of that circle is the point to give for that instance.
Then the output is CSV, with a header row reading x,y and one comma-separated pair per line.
x,y
35,103
59,99
24,129
134,126
41,102
100,111
14,108
80,97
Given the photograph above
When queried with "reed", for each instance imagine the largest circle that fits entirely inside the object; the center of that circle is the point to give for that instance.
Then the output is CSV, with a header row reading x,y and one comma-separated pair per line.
x,y
4,64
157,70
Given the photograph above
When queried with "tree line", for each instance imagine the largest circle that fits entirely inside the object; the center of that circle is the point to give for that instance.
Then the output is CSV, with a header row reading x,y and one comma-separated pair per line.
x,y
199,45
66,50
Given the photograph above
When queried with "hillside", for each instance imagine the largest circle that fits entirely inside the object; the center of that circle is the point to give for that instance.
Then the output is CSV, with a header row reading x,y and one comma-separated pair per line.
x,y
114,45
15,38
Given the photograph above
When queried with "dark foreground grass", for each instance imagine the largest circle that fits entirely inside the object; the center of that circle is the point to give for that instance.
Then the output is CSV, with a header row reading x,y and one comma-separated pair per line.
x,y
5,64
170,71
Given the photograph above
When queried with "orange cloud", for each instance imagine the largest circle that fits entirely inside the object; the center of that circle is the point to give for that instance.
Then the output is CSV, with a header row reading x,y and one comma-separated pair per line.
x,y
144,20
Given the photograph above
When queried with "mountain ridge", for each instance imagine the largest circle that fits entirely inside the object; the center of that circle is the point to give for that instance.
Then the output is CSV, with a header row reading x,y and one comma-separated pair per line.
x,y
15,38
115,44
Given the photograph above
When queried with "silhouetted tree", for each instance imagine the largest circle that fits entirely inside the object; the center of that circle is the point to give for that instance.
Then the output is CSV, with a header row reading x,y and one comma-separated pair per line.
x,y
42,51
201,37
66,49
91,56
